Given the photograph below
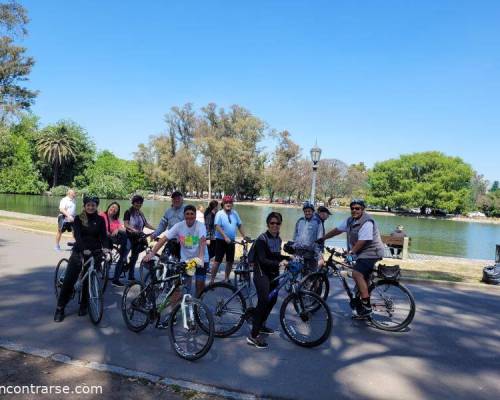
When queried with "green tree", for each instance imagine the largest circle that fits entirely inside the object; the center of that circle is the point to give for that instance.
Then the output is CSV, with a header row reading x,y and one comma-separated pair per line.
x,y
429,179
17,169
82,153
112,177
15,65
57,146
494,187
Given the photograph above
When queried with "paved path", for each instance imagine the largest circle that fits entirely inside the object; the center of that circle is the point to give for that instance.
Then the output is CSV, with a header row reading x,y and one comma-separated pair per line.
x,y
450,351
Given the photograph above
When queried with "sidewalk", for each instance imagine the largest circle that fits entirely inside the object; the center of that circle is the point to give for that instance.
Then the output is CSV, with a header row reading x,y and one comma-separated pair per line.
x,y
19,369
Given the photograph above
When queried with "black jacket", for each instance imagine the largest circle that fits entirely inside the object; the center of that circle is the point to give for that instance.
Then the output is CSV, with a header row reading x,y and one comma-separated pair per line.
x,y
93,236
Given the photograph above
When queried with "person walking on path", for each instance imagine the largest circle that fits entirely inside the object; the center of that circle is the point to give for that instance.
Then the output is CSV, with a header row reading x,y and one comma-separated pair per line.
x,y
227,221
364,246
67,212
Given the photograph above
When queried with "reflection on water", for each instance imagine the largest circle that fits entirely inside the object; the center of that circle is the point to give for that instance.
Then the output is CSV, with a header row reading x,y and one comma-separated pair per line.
x,y
439,237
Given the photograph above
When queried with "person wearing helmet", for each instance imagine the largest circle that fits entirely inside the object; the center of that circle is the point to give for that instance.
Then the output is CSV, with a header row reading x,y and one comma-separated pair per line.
x,y
227,221
173,215
364,245
308,230
90,234
135,222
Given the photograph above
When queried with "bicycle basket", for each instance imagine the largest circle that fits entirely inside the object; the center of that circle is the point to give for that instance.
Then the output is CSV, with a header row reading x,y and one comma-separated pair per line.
x,y
391,272
294,266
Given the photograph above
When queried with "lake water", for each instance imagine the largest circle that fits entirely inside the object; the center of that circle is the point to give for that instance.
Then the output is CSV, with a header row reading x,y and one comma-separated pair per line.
x,y
437,237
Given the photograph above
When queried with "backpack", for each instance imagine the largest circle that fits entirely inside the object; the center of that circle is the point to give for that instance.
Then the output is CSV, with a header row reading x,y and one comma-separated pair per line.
x,y
491,274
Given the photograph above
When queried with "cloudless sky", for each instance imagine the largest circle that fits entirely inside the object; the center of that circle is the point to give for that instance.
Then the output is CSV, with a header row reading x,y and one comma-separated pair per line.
x,y
369,79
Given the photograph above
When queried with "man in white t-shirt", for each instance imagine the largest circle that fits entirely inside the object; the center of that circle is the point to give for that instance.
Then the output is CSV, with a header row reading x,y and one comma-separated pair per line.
x,y
192,237
67,212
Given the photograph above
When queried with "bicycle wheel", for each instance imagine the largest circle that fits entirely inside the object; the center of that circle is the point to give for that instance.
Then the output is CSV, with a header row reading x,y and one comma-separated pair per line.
x,y
96,306
144,270
393,305
59,274
189,340
227,306
103,272
306,319
136,308
316,282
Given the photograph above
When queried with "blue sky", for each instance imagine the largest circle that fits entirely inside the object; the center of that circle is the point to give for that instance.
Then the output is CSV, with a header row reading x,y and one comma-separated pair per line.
x,y
369,79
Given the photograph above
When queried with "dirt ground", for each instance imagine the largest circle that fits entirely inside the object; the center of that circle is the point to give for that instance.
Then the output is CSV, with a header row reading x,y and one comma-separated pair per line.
x,y
25,370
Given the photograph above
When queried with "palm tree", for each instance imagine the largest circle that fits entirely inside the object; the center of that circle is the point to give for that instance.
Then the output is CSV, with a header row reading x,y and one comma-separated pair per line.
x,y
57,146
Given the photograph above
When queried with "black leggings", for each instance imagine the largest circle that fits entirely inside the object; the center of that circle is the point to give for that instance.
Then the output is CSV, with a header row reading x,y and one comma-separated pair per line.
x,y
263,286
70,278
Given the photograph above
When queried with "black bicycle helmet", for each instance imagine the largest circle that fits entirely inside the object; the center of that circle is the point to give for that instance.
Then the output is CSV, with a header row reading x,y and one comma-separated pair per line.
x,y
88,198
137,198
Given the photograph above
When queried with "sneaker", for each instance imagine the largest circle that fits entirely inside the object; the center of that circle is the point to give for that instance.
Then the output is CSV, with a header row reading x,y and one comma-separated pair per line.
x,y
365,311
59,315
267,331
257,342
117,284
57,248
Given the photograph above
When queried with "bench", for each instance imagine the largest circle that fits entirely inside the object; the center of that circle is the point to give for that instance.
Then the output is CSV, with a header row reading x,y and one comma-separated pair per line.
x,y
390,241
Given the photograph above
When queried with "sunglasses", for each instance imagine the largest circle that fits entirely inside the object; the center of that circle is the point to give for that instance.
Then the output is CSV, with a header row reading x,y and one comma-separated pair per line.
x,y
275,223
356,208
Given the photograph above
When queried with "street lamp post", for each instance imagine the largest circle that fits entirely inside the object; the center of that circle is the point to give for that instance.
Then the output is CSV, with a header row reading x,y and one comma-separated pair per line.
x,y
315,155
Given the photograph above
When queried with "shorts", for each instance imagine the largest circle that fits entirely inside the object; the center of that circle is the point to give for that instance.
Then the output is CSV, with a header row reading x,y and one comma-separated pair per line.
x,y
223,248
64,226
365,266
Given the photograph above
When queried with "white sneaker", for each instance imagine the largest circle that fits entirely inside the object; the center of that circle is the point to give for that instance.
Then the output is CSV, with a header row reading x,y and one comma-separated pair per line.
x,y
57,248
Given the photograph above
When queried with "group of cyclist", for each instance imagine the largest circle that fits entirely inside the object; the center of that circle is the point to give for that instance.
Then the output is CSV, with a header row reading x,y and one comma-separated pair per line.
x,y
189,239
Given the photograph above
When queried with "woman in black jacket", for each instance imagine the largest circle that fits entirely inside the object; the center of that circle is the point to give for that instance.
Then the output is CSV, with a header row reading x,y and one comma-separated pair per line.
x,y
90,234
268,259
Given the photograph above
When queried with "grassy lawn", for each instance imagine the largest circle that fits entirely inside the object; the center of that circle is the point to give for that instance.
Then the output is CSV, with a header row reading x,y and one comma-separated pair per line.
x,y
26,223
455,271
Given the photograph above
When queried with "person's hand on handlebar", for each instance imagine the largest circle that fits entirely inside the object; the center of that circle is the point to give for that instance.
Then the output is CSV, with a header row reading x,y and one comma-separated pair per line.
x,y
283,263
148,256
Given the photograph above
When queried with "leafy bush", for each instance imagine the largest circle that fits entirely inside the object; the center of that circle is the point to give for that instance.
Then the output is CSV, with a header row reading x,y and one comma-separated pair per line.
x,y
108,187
59,191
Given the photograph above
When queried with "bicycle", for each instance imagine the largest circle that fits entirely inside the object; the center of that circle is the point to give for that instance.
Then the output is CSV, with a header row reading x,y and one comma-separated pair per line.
x,y
300,312
241,269
143,304
392,303
102,267
166,256
95,302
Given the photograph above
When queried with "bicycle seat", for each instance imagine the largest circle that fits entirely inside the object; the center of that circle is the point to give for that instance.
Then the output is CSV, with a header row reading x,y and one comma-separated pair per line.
x,y
70,244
